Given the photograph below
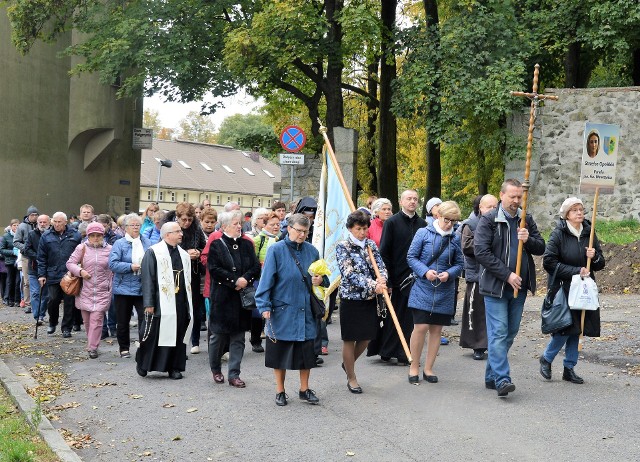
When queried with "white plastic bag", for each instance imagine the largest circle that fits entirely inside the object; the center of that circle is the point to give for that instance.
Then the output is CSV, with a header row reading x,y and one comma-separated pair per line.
x,y
583,294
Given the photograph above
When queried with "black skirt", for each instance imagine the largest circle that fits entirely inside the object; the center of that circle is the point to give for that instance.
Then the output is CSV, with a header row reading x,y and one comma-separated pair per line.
x,y
427,317
288,355
358,319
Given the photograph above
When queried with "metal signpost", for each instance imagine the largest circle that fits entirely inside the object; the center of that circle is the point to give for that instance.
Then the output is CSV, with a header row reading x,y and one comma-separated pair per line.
x,y
292,139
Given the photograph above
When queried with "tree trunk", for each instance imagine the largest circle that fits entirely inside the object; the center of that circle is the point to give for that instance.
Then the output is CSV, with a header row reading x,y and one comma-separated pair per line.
x,y
371,185
387,135
483,183
636,67
333,83
433,187
572,66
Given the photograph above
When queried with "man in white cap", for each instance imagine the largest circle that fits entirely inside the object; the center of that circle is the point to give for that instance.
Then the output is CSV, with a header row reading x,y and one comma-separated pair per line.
x,y
433,205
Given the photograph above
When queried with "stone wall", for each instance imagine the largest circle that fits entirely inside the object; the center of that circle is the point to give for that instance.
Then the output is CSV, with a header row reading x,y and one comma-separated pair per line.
x,y
558,145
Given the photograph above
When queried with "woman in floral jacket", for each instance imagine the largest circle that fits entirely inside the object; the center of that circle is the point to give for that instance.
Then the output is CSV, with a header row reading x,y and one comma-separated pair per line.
x,y
358,289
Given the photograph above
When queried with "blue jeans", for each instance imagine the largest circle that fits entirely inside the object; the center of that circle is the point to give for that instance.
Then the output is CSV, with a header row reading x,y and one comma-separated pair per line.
x,y
503,322
570,343
38,306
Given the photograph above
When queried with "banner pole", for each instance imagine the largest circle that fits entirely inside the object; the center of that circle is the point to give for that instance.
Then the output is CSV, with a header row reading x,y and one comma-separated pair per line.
x,y
352,206
591,238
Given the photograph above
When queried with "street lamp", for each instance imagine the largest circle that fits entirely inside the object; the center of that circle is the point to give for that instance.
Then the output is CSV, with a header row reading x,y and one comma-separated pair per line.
x,y
161,163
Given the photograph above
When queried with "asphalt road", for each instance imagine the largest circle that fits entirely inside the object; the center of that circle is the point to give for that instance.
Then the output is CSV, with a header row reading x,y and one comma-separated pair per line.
x,y
130,418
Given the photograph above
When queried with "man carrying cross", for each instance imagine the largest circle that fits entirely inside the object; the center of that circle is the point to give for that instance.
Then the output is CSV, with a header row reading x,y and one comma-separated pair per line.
x,y
496,243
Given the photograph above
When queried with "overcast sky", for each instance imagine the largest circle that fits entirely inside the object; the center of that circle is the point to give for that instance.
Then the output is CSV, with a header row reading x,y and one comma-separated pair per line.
x,y
172,113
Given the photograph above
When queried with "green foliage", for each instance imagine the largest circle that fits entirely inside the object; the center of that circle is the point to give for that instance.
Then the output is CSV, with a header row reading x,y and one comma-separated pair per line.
x,y
151,119
248,132
197,127
618,232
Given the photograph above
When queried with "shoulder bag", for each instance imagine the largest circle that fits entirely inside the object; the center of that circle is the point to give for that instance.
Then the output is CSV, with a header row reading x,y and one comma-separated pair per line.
x,y
317,306
70,284
248,294
555,313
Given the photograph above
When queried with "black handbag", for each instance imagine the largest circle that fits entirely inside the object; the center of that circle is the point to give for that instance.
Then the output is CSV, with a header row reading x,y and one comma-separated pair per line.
x,y
318,308
556,315
248,298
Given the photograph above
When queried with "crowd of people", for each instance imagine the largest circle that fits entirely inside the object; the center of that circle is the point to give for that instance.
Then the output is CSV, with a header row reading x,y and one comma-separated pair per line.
x,y
190,271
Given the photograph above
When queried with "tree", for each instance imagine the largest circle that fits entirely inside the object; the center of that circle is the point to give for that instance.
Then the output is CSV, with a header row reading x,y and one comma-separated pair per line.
x,y
151,119
197,127
248,132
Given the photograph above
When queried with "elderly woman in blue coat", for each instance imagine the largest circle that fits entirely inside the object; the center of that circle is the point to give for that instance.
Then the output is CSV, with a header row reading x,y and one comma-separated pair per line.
x,y
435,256
283,299
125,260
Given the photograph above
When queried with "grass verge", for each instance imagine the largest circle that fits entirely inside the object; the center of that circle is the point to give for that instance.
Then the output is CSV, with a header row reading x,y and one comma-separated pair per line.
x,y
18,441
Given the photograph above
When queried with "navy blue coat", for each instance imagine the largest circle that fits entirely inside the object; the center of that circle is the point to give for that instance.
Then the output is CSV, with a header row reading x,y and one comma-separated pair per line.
x,y
434,296
124,281
53,252
283,292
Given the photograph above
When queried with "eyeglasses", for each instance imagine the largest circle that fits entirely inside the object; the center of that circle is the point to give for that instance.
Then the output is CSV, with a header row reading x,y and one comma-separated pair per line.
x,y
136,225
577,210
179,231
448,222
299,231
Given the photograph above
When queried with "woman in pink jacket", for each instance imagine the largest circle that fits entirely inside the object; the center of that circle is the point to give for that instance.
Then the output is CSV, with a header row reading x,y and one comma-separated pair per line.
x,y
90,261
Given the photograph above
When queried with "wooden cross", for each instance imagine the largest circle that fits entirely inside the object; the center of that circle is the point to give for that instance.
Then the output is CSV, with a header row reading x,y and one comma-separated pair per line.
x,y
535,100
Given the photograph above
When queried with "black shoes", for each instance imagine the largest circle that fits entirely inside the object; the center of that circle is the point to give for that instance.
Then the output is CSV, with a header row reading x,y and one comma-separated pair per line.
x,y
490,385
309,396
51,329
257,348
414,379
141,372
357,390
93,354
66,334
570,376
506,388
430,378
175,375
545,368
281,399
319,360
478,354
76,327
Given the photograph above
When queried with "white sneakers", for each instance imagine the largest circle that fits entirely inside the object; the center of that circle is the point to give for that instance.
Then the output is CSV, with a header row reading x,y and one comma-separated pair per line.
x,y
195,350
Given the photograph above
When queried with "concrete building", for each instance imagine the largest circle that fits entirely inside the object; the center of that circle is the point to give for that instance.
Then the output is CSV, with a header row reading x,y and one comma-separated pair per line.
x,y
206,171
65,141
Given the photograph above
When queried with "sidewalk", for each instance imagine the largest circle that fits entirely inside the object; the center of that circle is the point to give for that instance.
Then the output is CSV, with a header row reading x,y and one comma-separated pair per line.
x,y
109,413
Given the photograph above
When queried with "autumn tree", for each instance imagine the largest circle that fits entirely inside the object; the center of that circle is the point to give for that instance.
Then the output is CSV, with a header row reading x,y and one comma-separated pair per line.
x,y
249,132
197,127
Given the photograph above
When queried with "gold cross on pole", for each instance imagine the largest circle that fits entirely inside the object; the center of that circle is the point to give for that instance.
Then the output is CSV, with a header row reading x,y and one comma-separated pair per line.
x,y
535,100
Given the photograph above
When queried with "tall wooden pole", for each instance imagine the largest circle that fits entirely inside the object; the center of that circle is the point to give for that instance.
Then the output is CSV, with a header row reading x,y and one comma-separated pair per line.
x,y
591,238
535,100
352,206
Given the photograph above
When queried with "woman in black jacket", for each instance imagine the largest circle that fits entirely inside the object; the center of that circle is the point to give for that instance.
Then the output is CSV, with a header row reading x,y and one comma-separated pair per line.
x,y
233,266
568,249
12,287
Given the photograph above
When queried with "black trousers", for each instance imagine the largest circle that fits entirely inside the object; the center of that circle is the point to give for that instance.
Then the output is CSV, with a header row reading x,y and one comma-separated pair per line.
x,y
56,295
124,305
12,288
257,324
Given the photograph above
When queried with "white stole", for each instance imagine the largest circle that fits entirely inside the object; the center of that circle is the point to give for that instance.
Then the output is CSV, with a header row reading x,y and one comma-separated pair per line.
x,y
167,294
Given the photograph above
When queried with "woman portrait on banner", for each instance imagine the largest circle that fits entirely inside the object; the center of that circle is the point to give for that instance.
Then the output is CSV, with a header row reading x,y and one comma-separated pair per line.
x,y
283,299
436,259
593,143
568,248
359,288
233,266
380,212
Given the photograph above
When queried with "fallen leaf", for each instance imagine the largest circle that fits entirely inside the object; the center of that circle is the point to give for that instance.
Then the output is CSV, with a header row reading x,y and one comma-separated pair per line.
x,y
168,405
176,438
136,396
192,409
351,453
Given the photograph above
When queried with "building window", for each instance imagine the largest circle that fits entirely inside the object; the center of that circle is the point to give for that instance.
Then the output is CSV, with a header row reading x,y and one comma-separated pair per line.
x,y
269,203
240,201
185,198
149,196
259,202
161,196
206,196
172,196
218,199
228,198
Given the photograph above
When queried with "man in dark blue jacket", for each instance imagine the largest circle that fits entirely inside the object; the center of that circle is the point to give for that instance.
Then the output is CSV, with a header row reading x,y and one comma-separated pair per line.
x,y
54,249
496,246
39,296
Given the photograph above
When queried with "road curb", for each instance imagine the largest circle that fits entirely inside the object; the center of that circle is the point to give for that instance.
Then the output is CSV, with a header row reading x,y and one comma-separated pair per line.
x,y
26,404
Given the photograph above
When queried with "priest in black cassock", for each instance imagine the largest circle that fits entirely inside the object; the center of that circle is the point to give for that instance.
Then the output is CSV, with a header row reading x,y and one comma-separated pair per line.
x,y
166,295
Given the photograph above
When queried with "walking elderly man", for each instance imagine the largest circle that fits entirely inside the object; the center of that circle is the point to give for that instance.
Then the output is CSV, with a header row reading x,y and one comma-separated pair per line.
x,y
54,249
166,297
19,241
496,246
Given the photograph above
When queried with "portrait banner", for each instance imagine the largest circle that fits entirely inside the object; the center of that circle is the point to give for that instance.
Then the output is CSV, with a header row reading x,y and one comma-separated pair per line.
x,y
599,157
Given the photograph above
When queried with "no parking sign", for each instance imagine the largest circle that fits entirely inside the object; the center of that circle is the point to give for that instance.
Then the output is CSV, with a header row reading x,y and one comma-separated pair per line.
x,y
293,138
